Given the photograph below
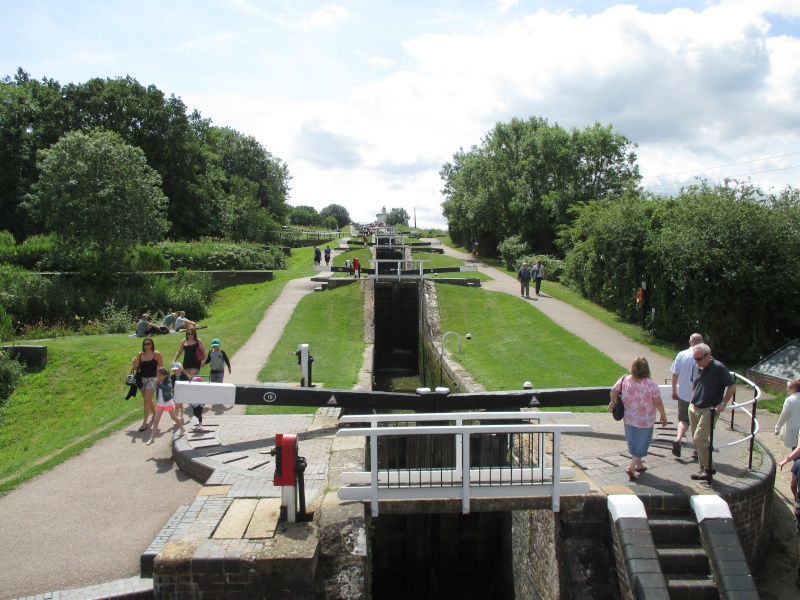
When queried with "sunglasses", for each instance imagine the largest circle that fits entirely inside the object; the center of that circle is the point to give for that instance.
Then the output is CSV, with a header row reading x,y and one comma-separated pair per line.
x,y
147,344
699,359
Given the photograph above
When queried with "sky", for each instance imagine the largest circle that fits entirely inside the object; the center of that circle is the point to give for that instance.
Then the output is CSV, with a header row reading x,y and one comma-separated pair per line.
x,y
365,100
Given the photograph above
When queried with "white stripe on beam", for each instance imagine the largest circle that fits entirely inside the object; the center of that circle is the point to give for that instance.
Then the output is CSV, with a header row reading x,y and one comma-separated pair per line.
x,y
198,392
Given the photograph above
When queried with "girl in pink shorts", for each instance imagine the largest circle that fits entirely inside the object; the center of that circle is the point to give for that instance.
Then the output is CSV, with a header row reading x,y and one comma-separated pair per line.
x,y
165,403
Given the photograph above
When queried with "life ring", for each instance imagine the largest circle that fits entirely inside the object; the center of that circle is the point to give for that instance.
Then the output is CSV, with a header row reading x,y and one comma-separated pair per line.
x,y
639,296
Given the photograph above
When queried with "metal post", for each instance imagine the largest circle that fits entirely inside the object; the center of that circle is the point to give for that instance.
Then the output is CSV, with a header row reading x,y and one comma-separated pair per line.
x,y
710,465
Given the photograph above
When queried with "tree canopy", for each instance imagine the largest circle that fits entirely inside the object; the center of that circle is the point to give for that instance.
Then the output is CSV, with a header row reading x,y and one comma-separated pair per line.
x,y
99,197
338,212
397,216
526,176
215,178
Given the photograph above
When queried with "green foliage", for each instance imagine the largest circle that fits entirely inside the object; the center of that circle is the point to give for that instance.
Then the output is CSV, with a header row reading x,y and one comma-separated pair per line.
x,y
304,216
526,176
10,372
100,198
330,223
114,319
719,260
6,324
216,255
553,267
149,258
338,212
397,216
34,254
71,303
202,167
7,239
512,249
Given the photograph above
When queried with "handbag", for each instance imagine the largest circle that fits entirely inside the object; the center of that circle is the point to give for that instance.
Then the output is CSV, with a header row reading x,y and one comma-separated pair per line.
x,y
618,410
130,379
198,354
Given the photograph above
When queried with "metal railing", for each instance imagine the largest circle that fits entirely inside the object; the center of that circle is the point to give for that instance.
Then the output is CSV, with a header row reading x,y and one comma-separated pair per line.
x,y
401,265
751,437
666,396
417,462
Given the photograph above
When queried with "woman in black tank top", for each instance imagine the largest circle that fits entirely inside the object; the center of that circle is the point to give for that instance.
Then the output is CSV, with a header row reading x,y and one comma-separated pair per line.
x,y
147,363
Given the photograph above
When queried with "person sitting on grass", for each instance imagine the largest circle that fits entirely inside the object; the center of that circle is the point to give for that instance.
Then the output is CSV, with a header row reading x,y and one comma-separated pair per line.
x,y
165,403
169,321
145,328
181,322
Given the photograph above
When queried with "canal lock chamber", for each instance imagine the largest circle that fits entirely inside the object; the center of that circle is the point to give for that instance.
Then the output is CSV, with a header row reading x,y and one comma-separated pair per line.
x,y
432,556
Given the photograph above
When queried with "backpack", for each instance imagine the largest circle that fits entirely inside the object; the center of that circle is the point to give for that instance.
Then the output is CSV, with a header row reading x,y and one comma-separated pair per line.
x,y
217,361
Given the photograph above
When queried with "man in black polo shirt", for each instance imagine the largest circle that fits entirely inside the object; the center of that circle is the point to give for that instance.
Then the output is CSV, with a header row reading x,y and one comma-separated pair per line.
x,y
712,387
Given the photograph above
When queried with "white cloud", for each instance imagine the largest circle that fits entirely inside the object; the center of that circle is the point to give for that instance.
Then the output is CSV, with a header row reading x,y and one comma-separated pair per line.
x,y
380,61
329,15
504,5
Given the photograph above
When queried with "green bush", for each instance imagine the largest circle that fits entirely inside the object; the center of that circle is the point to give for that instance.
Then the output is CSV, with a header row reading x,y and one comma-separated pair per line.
x,y
6,239
513,251
216,255
34,254
69,303
10,372
149,258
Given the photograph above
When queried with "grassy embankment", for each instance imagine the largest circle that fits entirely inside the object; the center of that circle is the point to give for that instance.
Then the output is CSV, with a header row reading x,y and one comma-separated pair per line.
x,y
78,398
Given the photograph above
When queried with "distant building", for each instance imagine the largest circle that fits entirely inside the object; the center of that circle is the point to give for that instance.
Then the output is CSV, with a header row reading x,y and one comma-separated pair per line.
x,y
380,218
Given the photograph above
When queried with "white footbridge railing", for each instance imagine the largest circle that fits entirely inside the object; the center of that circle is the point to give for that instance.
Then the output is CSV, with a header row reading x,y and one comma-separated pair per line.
x,y
522,459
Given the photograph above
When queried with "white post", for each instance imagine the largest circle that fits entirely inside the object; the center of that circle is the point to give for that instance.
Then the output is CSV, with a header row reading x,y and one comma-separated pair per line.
x,y
288,499
465,469
373,458
556,500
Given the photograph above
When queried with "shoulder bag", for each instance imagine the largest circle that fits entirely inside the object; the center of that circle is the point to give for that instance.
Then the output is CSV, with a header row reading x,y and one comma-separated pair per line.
x,y
618,411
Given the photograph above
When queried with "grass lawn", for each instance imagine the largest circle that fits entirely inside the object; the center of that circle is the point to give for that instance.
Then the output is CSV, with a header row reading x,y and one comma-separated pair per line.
x,y
512,342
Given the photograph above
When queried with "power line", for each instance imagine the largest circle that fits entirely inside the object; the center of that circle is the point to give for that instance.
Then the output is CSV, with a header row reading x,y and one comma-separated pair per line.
x,y
723,166
723,176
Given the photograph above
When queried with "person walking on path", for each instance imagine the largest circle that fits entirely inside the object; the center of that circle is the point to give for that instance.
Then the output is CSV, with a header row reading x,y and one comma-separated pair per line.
x,y
538,275
788,424
217,360
317,255
524,278
193,351
165,403
147,362
712,388
327,256
642,398
682,370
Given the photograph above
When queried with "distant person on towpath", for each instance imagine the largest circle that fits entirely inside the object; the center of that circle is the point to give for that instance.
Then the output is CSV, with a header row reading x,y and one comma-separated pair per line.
x,y
317,255
538,275
327,255
524,278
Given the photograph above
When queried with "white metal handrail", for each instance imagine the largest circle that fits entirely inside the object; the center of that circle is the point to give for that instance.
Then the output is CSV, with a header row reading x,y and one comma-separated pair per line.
x,y
463,480
399,262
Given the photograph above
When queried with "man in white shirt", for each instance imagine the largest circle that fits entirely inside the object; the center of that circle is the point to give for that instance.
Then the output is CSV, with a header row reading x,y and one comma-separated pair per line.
x,y
682,369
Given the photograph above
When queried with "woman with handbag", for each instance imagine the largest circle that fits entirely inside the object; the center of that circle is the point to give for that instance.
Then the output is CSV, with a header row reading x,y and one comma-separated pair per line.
x,y
194,353
146,364
642,399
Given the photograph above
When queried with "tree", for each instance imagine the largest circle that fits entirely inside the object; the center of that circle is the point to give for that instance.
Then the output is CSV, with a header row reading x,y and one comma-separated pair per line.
x,y
337,212
100,199
397,216
304,215
526,177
